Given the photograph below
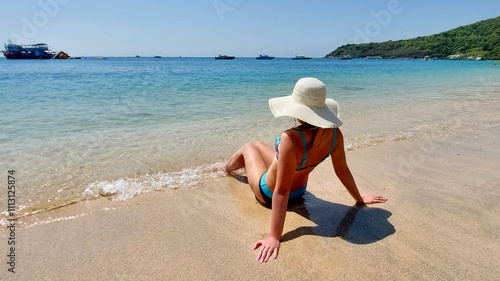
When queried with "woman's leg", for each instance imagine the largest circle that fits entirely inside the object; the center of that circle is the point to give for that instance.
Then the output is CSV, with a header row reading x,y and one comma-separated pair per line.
x,y
249,156
237,160
267,152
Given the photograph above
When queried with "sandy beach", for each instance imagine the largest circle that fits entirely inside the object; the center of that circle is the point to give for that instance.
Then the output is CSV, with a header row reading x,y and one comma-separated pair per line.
x,y
442,222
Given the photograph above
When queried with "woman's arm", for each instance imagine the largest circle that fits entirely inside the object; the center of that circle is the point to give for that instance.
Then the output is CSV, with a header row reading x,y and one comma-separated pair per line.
x,y
342,170
284,178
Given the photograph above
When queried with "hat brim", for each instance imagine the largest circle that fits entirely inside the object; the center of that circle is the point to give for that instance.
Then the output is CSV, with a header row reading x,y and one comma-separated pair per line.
x,y
325,117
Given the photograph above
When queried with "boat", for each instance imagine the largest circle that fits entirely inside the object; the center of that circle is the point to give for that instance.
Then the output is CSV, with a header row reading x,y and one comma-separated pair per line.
x,y
345,58
301,57
264,57
62,56
224,57
36,51
157,57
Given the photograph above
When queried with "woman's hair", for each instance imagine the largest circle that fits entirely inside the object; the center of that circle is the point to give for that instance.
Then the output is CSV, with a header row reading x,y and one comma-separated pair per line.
x,y
303,126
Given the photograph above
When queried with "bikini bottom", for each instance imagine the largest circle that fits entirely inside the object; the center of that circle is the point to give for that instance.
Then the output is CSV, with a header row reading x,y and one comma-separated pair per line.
x,y
267,194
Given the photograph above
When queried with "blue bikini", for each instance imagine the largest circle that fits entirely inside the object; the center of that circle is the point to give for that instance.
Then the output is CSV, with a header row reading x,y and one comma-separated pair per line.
x,y
267,194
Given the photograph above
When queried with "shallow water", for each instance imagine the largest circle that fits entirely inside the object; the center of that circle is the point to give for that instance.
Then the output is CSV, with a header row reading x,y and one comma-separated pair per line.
x,y
75,129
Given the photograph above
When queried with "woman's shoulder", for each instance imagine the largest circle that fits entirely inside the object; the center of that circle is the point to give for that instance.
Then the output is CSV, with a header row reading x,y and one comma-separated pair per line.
x,y
298,134
292,135
286,143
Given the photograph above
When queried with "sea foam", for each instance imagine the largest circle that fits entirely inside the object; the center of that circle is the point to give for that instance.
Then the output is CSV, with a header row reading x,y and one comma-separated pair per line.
x,y
126,188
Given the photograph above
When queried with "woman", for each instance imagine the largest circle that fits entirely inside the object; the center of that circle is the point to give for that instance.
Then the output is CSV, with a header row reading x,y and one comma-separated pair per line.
x,y
277,175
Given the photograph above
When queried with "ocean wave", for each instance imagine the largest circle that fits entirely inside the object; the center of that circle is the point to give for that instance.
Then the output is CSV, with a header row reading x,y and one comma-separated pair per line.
x,y
126,188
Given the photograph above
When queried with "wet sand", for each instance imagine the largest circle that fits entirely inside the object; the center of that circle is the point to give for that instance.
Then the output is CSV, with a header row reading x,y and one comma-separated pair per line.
x,y
442,222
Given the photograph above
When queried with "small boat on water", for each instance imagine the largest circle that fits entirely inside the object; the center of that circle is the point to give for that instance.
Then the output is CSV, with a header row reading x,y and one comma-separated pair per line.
x,y
224,57
264,57
301,57
157,57
36,51
345,58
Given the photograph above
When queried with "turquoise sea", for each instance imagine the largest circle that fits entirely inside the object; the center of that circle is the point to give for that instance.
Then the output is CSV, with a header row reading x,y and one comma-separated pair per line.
x,y
79,129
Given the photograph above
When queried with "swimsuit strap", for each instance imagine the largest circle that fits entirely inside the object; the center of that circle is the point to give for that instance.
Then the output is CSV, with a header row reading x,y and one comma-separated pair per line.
x,y
304,142
276,144
305,150
331,149
333,144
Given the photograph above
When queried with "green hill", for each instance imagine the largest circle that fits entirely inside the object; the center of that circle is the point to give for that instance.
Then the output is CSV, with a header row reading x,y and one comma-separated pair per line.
x,y
480,39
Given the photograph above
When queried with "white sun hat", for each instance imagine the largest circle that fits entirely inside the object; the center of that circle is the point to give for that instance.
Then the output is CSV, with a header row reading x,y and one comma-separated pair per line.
x,y
308,103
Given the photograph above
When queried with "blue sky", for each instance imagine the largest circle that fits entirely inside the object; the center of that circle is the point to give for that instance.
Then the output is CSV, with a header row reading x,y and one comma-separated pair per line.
x,y
234,27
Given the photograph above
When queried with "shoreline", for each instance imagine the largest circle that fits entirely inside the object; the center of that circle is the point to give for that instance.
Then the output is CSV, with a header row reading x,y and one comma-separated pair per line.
x,y
145,178
441,222
125,188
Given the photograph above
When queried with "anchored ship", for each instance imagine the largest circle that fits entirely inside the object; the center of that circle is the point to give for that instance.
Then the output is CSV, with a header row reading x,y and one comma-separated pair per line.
x,y
264,57
224,57
301,57
36,51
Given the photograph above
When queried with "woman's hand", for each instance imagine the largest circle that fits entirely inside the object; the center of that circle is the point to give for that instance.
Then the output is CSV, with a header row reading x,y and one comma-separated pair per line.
x,y
371,199
269,245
